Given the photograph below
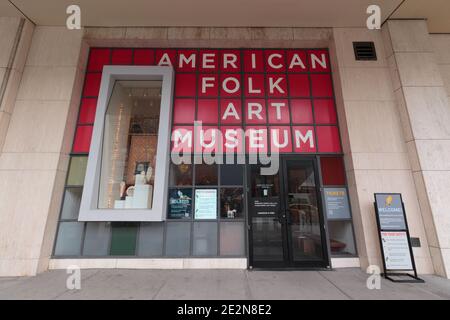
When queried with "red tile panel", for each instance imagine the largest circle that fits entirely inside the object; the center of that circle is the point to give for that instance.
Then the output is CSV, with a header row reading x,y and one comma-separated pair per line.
x,y
82,140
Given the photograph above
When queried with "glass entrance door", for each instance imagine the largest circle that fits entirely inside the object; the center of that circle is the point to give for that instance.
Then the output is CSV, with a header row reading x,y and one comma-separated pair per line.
x,y
286,221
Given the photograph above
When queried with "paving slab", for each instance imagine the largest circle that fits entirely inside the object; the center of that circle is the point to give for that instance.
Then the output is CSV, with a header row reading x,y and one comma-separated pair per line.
x,y
342,284
353,282
305,285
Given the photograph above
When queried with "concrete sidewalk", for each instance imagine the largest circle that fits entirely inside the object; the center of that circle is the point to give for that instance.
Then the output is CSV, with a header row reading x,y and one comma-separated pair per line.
x,y
218,284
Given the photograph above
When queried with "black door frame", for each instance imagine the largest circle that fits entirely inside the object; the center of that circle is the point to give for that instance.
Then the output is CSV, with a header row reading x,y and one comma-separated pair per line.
x,y
288,262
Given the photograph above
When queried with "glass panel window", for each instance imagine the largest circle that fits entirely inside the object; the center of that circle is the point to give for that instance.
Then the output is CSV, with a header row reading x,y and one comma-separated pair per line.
x,y
98,58
150,241
130,146
87,111
341,238
77,171
267,239
205,239
206,175
97,239
70,235
123,239
180,175
178,237
232,239
180,203
231,174
71,205
264,185
333,172
231,203
82,140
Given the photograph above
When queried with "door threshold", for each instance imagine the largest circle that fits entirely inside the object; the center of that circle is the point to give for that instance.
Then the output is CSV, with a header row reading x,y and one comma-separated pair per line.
x,y
291,269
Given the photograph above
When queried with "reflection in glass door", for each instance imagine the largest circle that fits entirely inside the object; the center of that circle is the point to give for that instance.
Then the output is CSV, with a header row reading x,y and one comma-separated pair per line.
x,y
286,221
304,221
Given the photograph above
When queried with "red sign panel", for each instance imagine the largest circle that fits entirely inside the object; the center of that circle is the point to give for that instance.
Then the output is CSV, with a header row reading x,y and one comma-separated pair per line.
x,y
253,100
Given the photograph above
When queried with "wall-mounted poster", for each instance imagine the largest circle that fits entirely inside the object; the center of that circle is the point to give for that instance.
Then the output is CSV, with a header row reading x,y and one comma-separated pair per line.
x,y
336,203
390,212
396,250
180,203
205,203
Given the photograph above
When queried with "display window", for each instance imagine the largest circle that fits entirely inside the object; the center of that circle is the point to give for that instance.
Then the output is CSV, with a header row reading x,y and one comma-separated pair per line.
x,y
130,146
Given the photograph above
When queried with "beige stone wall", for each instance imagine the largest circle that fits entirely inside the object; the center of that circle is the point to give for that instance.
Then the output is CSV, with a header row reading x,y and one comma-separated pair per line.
x,y
441,48
374,146
33,161
208,37
425,114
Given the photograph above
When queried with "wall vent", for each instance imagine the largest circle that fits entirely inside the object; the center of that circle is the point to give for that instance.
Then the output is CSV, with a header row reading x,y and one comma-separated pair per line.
x,y
365,51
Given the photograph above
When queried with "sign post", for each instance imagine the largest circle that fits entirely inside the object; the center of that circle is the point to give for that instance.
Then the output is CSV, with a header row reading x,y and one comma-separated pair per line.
x,y
395,242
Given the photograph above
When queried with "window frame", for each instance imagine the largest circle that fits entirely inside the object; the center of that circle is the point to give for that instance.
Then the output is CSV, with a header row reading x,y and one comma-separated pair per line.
x,y
89,210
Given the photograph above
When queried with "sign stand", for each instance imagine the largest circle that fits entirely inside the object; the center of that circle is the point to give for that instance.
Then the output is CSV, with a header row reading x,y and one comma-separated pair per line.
x,y
395,241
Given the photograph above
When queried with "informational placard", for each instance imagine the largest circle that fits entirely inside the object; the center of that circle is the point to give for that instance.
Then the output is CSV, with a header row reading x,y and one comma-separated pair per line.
x,y
336,203
269,206
390,211
180,203
397,255
205,204
394,237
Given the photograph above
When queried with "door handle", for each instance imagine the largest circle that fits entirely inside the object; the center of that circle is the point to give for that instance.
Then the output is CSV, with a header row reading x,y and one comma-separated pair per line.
x,y
280,219
288,217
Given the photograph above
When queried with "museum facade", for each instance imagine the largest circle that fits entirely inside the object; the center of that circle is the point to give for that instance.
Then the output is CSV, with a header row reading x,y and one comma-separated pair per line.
x,y
220,147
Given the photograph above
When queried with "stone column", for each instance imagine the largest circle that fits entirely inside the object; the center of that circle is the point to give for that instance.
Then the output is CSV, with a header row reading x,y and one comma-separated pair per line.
x,y
375,151
425,116
35,151
15,39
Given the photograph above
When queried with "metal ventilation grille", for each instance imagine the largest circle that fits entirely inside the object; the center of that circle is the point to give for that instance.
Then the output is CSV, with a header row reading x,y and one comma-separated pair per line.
x,y
365,51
